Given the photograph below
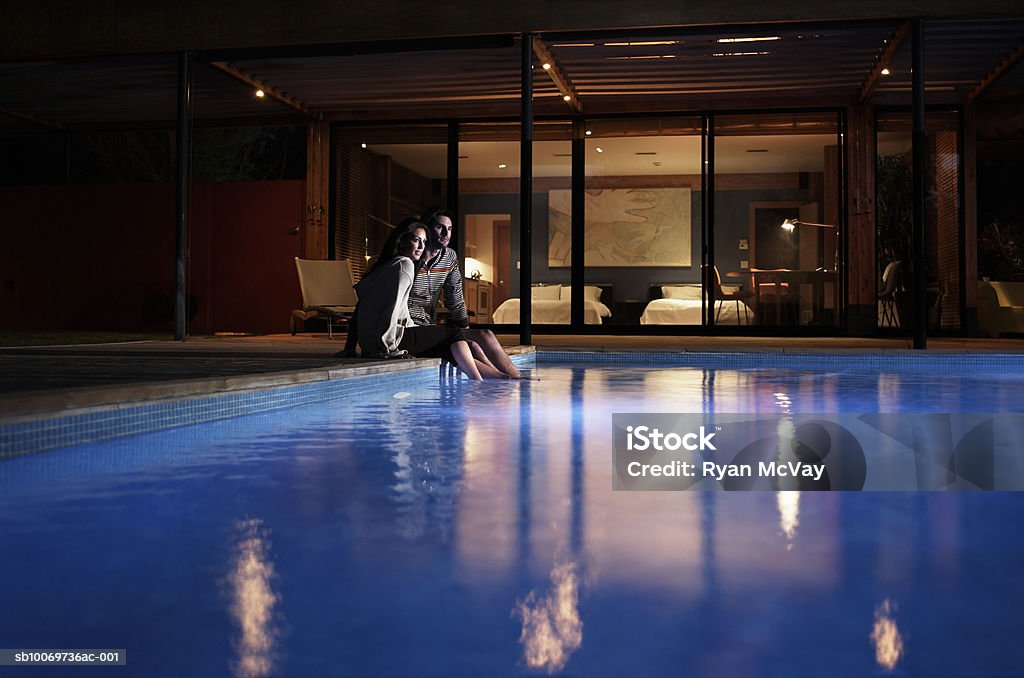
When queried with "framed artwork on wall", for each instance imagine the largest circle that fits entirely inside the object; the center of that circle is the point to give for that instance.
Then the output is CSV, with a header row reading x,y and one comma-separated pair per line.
x,y
624,227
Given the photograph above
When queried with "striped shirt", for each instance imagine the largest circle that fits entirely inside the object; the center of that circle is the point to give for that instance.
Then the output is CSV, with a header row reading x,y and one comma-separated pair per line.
x,y
440,273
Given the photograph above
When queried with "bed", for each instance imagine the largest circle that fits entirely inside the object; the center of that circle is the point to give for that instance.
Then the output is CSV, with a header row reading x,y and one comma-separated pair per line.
x,y
551,306
681,304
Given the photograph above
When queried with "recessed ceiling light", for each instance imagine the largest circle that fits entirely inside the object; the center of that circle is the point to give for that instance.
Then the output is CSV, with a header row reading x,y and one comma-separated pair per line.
x,y
589,132
260,93
599,149
502,166
547,66
567,98
362,145
886,71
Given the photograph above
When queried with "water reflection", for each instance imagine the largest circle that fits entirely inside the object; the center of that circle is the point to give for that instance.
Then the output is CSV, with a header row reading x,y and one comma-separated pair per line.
x,y
552,628
428,464
788,502
886,637
253,601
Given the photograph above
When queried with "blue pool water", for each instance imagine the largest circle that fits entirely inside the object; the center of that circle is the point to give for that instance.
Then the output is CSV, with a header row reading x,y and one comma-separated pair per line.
x,y
447,528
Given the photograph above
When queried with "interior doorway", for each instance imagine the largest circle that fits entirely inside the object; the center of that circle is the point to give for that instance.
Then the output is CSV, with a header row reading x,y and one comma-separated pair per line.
x,y
488,255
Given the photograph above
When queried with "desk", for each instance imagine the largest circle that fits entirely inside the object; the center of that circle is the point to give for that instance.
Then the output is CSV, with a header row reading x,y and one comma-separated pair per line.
x,y
772,276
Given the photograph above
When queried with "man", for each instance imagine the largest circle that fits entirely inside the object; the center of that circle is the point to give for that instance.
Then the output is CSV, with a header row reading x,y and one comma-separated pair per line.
x,y
441,272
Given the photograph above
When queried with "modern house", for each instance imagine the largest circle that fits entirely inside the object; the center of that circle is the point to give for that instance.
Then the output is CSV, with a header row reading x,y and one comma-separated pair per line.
x,y
789,151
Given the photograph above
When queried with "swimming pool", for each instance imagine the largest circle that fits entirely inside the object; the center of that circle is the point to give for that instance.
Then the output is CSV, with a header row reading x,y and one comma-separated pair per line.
x,y
440,528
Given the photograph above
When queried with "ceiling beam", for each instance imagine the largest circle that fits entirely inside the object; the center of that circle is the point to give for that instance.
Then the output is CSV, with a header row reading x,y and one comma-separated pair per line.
x,y
996,73
244,77
887,58
554,71
28,117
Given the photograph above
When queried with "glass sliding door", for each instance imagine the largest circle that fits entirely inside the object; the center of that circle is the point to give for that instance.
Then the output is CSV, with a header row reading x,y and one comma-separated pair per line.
x,y
894,220
489,205
382,175
777,206
642,215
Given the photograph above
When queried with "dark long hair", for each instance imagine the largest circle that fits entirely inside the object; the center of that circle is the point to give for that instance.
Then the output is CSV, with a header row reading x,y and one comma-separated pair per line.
x,y
393,245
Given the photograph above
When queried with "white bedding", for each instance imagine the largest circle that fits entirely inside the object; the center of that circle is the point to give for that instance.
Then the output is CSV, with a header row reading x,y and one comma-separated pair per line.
x,y
550,312
688,312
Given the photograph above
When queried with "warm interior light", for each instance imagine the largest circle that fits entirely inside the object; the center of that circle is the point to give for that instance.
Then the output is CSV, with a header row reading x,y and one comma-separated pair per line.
x,y
362,145
728,54
788,225
260,93
502,166
599,149
567,98
589,132
886,71
765,38
547,66
646,56
649,43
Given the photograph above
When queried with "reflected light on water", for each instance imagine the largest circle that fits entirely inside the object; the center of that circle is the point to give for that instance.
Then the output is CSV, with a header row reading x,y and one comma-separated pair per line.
x,y
886,637
552,628
789,512
253,601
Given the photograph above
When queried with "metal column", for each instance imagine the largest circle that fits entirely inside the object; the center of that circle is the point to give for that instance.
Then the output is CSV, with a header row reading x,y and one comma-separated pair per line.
x,y
920,255
183,180
526,193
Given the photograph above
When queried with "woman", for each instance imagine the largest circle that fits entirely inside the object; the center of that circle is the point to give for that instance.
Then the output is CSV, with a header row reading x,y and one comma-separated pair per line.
x,y
383,324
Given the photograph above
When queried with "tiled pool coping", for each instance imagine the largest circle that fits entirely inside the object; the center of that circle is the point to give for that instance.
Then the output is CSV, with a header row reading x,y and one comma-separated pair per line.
x,y
49,420
75,416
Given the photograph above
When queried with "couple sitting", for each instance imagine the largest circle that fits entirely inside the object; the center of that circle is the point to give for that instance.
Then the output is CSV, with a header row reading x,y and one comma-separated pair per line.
x,y
397,299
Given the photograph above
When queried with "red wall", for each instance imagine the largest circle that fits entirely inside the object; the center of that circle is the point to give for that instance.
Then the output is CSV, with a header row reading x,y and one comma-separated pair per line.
x,y
89,256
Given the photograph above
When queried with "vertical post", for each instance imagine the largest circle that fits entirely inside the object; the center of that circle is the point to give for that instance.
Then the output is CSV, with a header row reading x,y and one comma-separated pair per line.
x,y
526,192
451,198
707,225
969,221
578,228
919,293
67,157
318,170
183,181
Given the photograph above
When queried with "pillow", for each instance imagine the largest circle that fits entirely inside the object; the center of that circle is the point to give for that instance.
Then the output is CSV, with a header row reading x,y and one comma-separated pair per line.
x,y
590,293
545,292
691,291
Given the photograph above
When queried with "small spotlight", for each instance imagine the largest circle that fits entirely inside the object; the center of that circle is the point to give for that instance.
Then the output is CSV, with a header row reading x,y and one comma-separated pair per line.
x,y
589,132
599,149
260,94
886,71
362,145
502,166
566,98
547,66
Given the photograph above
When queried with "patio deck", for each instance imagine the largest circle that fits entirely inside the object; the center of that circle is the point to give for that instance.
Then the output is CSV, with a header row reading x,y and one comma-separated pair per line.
x,y
35,381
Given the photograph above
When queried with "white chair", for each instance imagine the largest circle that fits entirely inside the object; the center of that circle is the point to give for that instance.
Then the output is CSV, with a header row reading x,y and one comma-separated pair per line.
x,y
327,291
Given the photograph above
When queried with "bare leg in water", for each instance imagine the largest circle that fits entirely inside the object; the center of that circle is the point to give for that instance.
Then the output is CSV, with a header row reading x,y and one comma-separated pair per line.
x,y
470,367
492,349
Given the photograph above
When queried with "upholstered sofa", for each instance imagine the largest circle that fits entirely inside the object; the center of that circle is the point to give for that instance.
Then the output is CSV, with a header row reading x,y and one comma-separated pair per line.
x,y
1000,307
